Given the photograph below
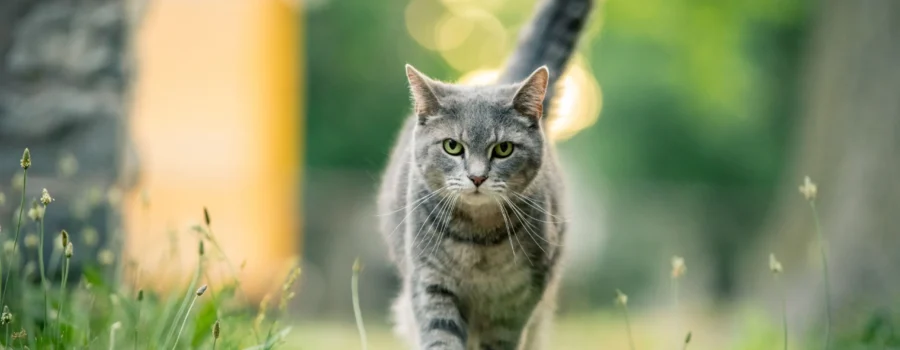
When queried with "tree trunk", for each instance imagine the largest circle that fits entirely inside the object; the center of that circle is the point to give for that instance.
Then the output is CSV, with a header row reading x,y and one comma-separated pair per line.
x,y
65,80
848,144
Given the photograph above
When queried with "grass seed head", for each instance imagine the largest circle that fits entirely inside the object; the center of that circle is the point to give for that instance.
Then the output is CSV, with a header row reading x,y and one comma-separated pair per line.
x,y
216,330
26,159
201,290
774,264
678,266
36,213
140,296
6,317
45,197
65,238
70,250
22,334
687,339
200,249
621,298
808,189
206,216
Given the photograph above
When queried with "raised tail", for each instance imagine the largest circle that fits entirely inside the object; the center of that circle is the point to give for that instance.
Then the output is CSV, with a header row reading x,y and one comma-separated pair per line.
x,y
548,40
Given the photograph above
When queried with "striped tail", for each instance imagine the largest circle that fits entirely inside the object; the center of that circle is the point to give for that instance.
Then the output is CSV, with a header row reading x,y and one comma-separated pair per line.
x,y
548,40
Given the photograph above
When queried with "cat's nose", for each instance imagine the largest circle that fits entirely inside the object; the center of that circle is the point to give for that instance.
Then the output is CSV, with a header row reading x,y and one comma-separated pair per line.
x,y
477,180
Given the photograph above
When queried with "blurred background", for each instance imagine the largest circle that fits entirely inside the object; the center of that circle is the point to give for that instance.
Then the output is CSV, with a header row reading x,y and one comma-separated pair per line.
x,y
684,129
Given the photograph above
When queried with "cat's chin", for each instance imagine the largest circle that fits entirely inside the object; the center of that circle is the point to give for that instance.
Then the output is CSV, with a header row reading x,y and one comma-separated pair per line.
x,y
477,200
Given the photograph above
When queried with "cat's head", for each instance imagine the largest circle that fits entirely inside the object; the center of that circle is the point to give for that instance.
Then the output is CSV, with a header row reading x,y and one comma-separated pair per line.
x,y
478,141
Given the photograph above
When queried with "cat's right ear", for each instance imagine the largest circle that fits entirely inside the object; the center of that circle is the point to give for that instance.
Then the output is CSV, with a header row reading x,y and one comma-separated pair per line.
x,y
421,87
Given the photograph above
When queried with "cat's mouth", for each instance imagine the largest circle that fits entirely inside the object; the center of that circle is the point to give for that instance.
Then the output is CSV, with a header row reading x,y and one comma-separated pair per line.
x,y
477,197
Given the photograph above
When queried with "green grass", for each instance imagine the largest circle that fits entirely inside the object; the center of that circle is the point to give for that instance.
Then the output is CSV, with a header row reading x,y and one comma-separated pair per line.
x,y
94,309
100,312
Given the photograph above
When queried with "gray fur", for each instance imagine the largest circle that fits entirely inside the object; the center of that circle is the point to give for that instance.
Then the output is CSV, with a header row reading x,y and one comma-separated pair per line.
x,y
479,263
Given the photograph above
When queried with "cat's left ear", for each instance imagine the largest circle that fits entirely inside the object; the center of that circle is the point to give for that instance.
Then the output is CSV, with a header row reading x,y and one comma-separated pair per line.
x,y
529,100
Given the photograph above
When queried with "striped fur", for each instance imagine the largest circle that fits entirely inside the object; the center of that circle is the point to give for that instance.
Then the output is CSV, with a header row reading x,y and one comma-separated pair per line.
x,y
480,271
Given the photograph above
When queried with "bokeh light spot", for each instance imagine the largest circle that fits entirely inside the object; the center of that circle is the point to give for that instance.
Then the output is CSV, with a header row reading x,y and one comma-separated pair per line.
x,y
576,105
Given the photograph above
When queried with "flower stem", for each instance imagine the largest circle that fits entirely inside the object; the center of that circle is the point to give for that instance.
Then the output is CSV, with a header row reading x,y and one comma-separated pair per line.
x,y
354,286
138,323
822,250
190,291
43,274
784,320
186,314
62,297
628,327
16,239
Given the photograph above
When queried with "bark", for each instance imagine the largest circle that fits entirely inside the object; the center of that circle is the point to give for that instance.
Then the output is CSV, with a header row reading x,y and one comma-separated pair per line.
x,y
847,143
65,80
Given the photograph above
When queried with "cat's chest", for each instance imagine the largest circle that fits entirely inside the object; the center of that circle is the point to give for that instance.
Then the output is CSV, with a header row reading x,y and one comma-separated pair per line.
x,y
484,271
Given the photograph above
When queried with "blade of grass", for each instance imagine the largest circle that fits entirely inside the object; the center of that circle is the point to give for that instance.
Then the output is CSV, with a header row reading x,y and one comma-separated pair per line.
x,y
187,296
18,230
823,253
354,286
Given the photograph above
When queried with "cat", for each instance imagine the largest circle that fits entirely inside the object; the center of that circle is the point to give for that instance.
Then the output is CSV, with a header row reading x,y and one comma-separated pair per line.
x,y
470,201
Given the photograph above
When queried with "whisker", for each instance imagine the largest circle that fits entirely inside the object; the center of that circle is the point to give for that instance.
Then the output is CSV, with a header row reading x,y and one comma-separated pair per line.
x,y
435,225
521,213
508,233
525,225
446,218
408,213
419,231
420,200
537,206
508,226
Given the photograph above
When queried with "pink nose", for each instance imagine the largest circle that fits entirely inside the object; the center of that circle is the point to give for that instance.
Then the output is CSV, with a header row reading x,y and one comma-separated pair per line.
x,y
477,180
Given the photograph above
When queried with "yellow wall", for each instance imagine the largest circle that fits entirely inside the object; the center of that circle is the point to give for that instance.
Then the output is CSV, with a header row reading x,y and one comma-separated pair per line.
x,y
216,122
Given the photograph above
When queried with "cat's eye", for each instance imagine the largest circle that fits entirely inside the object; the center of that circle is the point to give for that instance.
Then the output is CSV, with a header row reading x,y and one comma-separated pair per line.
x,y
452,147
503,149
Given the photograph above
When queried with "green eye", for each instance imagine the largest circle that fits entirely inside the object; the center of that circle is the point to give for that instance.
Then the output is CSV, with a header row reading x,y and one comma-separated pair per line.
x,y
503,149
452,147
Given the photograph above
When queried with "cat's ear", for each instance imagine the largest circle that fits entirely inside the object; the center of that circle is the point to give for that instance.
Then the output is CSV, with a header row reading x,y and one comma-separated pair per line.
x,y
529,100
422,90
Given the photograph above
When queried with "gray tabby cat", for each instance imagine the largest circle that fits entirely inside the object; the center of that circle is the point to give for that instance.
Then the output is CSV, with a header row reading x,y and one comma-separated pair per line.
x,y
470,200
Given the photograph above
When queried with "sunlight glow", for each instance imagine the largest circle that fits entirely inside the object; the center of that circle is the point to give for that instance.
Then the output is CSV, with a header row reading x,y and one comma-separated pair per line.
x,y
577,103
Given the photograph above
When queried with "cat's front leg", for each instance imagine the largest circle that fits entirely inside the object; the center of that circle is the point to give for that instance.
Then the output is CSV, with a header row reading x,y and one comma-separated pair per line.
x,y
437,311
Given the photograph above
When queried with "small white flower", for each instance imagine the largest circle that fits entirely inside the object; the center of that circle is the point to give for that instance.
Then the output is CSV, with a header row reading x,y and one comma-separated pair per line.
x,y
621,298
774,264
808,189
45,197
36,213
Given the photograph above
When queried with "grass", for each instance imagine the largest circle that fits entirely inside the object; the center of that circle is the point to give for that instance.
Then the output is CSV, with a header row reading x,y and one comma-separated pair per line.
x,y
100,312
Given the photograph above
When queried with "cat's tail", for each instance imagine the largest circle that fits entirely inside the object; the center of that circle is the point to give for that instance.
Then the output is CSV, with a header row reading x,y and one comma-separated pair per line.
x,y
548,40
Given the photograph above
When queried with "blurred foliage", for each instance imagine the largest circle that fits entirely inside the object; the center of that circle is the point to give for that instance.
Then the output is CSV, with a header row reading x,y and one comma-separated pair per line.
x,y
698,96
